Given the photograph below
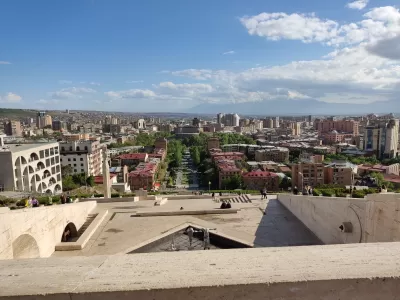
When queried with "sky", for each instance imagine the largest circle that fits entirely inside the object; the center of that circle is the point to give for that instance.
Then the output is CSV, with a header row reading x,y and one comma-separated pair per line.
x,y
169,56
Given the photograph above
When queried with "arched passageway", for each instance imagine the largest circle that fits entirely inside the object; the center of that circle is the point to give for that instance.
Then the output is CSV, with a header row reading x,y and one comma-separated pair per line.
x,y
69,233
25,246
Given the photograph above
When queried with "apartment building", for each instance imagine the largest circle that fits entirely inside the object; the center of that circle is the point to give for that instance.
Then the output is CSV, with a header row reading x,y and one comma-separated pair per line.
x,y
382,138
83,156
43,120
345,126
258,180
144,175
307,174
31,168
340,173
277,154
213,143
13,128
131,159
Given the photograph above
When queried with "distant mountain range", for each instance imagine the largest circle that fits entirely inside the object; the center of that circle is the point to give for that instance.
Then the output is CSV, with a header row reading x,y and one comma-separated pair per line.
x,y
296,107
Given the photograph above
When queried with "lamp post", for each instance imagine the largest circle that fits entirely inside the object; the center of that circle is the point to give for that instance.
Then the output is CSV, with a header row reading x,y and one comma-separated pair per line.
x,y
209,186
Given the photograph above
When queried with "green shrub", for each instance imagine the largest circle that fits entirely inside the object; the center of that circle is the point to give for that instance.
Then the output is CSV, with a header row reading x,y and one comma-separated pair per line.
x,y
115,195
316,192
341,195
98,195
327,192
7,201
20,203
358,194
128,195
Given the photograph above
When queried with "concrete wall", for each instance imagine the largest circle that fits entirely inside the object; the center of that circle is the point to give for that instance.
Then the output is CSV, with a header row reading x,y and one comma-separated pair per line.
x,y
34,232
356,272
374,219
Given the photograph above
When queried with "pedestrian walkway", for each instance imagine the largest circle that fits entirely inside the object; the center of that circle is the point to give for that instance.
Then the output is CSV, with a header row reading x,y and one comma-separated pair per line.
x,y
238,199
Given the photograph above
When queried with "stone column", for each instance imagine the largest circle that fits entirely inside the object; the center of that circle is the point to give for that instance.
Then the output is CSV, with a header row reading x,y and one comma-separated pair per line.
x,y
106,176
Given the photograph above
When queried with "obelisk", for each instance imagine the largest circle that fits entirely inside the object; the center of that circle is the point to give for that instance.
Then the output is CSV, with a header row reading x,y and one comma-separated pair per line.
x,y
106,176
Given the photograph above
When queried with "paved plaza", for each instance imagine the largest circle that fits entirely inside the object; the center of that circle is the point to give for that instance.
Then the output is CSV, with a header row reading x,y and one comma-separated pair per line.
x,y
261,223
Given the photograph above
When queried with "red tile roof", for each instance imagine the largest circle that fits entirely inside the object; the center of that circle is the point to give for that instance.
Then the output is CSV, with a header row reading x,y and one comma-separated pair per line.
x,y
140,156
99,179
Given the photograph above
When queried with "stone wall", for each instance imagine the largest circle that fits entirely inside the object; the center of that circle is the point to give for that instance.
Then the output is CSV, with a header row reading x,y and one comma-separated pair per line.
x,y
373,219
356,272
34,232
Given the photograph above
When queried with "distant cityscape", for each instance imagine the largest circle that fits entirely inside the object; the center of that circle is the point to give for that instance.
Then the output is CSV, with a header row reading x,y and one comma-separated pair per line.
x,y
224,151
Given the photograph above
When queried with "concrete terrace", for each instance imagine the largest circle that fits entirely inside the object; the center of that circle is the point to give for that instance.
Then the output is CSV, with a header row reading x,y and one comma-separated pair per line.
x,y
122,230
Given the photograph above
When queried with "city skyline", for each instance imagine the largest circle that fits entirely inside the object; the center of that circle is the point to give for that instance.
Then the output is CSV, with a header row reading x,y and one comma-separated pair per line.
x,y
292,56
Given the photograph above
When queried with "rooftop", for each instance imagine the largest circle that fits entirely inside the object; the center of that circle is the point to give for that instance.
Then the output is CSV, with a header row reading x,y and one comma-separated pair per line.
x,y
24,147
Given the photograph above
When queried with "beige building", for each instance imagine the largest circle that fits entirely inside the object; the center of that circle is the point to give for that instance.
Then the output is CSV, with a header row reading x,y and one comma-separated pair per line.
x,y
82,156
340,173
31,168
213,143
382,139
13,128
43,120
307,174
277,154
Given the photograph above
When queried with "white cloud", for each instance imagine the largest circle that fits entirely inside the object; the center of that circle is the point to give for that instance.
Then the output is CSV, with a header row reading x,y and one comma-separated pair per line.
x,y
378,23
358,4
94,83
305,27
46,101
71,92
10,98
2,62
64,81
229,52
130,94
134,81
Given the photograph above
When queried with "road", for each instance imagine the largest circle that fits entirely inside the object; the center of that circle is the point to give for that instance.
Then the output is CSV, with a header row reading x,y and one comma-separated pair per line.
x,y
188,168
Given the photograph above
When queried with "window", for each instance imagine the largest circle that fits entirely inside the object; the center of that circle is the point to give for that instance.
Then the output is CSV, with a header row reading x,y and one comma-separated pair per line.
x,y
74,165
75,171
74,159
81,159
81,165
69,159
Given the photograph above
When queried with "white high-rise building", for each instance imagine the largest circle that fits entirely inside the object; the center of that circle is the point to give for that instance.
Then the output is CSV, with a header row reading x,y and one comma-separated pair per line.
x,y
228,119
31,168
82,156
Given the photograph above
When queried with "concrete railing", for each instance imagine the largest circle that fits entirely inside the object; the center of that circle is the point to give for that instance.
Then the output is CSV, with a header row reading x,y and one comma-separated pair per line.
x,y
373,219
357,271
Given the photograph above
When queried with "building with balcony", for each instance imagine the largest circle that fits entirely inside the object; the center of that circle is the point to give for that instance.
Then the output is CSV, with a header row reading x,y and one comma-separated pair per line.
x,y
82,156
258,180
31,168
340,173
382,139
13,128
277,154
307,174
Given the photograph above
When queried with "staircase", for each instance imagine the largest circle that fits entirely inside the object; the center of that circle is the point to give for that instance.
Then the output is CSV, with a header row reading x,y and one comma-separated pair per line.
x,y
239,199
85,225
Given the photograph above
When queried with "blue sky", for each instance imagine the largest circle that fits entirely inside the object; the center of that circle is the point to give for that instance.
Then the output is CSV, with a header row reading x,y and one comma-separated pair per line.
x,y
172,55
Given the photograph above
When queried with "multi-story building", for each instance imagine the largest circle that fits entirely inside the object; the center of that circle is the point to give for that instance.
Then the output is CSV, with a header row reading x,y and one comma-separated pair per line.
x,y
43,120
343,127
161,143
144,175
340,173
276,122
228,119
307,174
13,128
258,180
31,168
268,123
139,124
58,125
83,156
382,138
277,154
131,159
213,143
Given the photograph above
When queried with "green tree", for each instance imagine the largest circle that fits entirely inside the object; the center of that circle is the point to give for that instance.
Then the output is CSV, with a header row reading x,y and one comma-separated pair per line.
x,y
66,171
90,181
68,183
233,182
